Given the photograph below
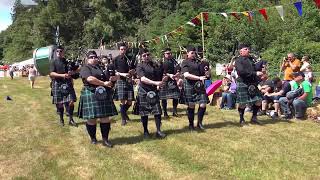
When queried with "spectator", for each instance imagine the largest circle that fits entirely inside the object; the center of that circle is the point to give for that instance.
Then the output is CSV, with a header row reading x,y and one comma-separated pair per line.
x,y
32,75
306,69
228,100
289,65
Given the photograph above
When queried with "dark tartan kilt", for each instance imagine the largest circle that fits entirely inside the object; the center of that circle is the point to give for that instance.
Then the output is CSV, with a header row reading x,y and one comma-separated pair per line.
x,y
166,93
91,108
123,90
243,96
191,96
145,108
57,96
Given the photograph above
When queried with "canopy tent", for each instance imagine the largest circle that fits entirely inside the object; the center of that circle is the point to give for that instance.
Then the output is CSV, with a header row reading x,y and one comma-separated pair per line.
x,y
23,63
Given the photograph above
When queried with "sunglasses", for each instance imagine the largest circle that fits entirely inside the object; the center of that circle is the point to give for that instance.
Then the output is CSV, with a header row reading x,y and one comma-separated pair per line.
x,y
59,50
167,52
145,55
93,57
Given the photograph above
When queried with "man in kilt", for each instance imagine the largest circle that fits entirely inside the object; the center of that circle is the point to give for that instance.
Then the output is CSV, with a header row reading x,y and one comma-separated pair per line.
x,y
194,89
170,89
62,86
247,82
96,101
149,102
125,68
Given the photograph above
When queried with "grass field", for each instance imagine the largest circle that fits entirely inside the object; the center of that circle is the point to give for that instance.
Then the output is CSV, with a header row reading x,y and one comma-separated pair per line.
x,y
34,146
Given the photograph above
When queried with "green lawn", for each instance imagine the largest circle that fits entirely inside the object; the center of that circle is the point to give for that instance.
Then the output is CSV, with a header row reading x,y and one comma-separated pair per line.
x,y
34,146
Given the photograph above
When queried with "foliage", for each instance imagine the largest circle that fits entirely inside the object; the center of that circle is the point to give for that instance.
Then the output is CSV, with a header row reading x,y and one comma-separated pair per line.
x,y
85,23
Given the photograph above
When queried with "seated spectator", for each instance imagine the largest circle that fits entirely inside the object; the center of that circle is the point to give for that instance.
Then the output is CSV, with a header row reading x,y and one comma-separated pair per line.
x,y
301,102
228,100
306,69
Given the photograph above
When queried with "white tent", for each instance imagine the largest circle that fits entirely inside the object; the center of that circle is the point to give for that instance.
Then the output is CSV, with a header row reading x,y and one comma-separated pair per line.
x,y
23,63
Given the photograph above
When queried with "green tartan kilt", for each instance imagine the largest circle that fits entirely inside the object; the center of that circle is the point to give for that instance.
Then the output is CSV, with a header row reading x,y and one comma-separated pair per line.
x,y
243,96
145,108
58,97
91,108
172,93
191,96
123,90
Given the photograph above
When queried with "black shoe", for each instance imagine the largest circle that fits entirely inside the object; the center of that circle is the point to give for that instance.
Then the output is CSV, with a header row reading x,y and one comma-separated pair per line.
x,y
160,134
67,114
61,122
124,122
94,141
146,135
165,115
200,126
127,117
107,143
191,128
175,114
72,123
242,123
255,121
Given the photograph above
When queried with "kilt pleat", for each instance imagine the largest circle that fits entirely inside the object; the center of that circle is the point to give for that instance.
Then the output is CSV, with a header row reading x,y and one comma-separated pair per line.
x,y
192,96
123,90
58,97
145,108
91,108
243,96
172,93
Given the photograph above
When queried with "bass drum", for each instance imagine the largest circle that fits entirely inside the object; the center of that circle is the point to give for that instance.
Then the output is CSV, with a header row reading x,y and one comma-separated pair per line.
x,y
42,58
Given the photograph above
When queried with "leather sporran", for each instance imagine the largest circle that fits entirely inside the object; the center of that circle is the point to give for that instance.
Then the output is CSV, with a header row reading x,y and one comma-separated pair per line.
x,y
199,87
152,98
135,109
101,93
253,90
64,89
171,85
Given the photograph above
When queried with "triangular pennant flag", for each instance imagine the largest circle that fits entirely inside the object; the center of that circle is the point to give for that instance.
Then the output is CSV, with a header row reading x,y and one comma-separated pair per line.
x,y
234,14
157,40
166,38
280,11
264,13
248,14
251,13
205,16
170,34
162,39
196,20
245,13
190,23
298,5
225,15
317,3
180,29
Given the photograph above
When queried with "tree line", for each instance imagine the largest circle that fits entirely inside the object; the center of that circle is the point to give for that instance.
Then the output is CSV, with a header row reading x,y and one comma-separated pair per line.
x,y
83,23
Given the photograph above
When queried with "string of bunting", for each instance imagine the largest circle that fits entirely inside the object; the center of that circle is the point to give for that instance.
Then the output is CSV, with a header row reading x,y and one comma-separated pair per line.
x,y
197,20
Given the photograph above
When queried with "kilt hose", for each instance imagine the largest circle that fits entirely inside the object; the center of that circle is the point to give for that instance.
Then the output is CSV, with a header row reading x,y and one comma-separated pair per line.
x,y
123,90
243,96
192,96
171,92
91,108
145,108
58,97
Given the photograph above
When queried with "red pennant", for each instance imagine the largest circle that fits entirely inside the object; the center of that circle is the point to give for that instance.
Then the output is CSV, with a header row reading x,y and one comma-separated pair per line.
x,y
264,13
235,15
196,21
205,16
317,3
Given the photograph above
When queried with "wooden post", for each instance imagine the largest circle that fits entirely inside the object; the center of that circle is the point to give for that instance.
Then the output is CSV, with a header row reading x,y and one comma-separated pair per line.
x,y
202,32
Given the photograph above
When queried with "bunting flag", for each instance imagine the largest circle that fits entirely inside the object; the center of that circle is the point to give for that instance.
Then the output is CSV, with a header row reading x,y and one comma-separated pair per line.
x,y
205,16
298,5
234,14
196,20
248,14
157,40
190,23
317,3
264,13
225,15
280,11
180,29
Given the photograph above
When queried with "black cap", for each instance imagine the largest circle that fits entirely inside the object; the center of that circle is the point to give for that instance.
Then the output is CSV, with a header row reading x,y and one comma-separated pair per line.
x,y
60,47
296,74
90,53
122,44
144,51
167,49
243,46
191,48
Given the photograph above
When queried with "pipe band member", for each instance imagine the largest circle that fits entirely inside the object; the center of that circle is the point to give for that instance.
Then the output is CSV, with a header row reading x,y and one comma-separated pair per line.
x,y
62,86
148,98
96,100
194,89
125,68
170,89
247,82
